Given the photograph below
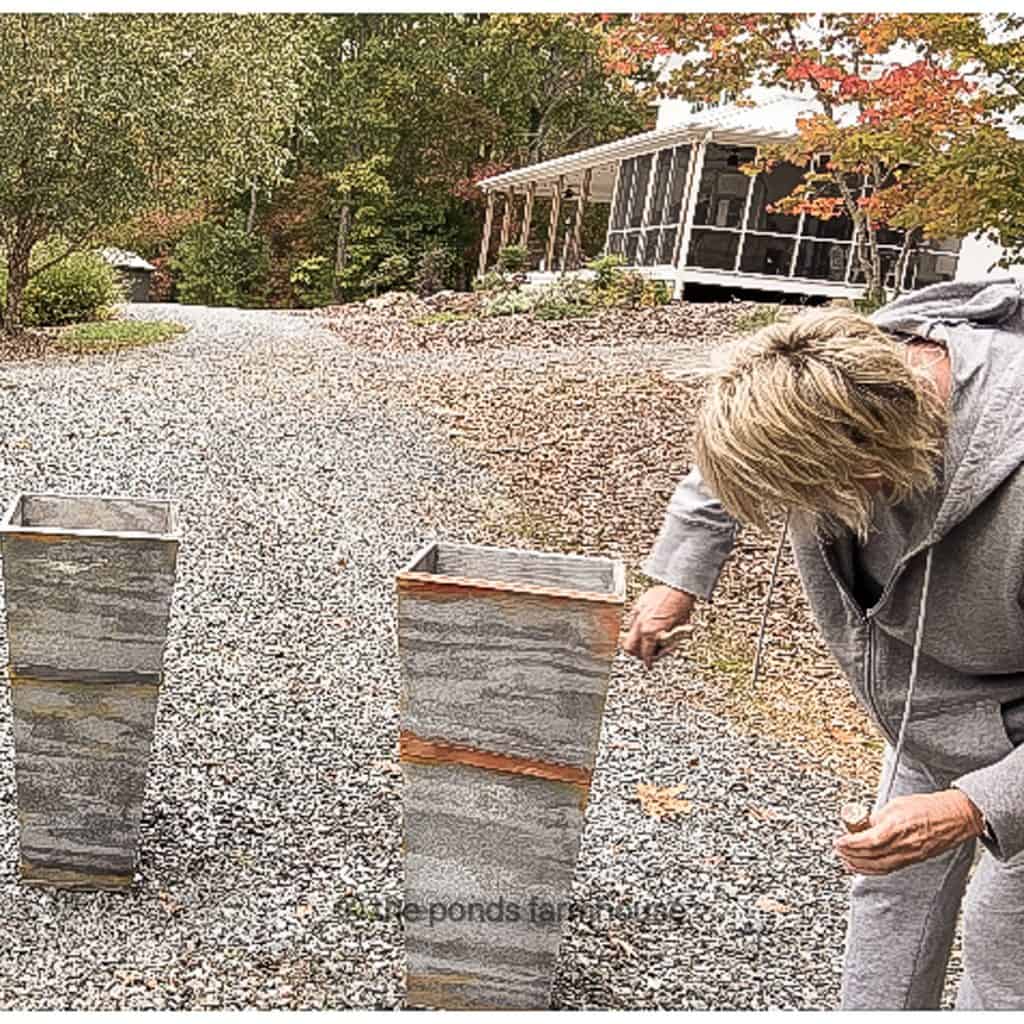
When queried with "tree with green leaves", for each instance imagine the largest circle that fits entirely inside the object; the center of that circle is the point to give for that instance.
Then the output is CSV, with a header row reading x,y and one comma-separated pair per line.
x,y
408,110
103,116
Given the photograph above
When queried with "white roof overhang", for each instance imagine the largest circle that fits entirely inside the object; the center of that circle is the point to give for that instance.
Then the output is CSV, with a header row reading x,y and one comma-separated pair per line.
x,y
603,160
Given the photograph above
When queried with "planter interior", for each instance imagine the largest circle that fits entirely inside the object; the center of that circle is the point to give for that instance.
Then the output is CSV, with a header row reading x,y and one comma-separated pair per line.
x,y
43,512
512,568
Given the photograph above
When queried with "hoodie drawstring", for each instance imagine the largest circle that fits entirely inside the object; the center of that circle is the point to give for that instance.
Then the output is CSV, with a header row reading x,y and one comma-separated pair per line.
x,y
767,604
918,637
918,640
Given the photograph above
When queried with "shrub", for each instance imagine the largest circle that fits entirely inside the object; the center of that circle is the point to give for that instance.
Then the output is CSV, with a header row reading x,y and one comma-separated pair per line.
x,y
606,268
220,265
655,293
493,281
311,280
434,270
392,271
505,302
564,299
512,259
567,297
761,316
82,286
616,286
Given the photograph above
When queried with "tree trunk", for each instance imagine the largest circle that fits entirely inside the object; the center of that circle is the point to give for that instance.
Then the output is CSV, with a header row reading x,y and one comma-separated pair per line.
x,y
909,241
17,277
250,220
341,250
868,260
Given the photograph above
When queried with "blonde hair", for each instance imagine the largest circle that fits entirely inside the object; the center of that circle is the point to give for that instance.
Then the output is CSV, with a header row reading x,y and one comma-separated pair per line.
x,y
811,415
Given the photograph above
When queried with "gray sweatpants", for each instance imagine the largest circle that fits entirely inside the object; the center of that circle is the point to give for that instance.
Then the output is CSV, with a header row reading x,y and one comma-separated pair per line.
x,y
902,924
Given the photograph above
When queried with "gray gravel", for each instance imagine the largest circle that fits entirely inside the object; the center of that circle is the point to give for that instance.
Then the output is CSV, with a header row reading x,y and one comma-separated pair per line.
x,y
274,791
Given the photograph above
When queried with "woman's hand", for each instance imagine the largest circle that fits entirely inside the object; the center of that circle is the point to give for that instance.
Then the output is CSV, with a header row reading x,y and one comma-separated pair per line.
x,y
910,829
658,609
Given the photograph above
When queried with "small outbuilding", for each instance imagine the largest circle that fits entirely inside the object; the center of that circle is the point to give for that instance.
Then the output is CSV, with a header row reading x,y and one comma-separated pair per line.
x,y
136,271
681,210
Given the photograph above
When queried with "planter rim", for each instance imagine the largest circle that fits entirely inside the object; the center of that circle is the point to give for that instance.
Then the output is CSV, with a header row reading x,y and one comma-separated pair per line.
x,y
410,578
7,528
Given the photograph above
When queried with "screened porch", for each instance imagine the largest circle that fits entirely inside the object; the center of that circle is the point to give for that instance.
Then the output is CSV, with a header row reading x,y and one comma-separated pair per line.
x,y
685,211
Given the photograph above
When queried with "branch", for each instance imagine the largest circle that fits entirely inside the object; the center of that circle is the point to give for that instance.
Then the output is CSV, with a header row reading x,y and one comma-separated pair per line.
x,y
64,255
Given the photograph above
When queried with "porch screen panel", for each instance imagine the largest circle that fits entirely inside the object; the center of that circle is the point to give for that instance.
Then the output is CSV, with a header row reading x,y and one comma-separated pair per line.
x,y
723,188
653,184
666,205
768,189
765,254
655,206
680,168
822,260
713,250
623,189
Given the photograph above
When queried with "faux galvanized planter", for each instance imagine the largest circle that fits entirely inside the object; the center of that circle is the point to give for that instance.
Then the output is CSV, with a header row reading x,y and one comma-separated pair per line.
x,y
505,657
88,584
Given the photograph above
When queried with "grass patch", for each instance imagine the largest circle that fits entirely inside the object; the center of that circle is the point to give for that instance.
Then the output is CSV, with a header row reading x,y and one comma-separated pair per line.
x,y
110,335
768,313
444,317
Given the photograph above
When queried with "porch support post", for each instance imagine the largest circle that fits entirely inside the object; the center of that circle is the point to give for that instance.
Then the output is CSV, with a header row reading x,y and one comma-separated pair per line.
x,y
611,208
524,235
506,221
485,241
689,207
577,228
556,216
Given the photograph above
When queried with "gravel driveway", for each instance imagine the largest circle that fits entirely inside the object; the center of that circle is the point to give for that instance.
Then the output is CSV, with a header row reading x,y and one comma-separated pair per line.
x,y
274,791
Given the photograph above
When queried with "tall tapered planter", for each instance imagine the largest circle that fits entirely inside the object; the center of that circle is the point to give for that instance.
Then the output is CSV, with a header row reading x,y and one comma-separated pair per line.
x,y
88,584
505,656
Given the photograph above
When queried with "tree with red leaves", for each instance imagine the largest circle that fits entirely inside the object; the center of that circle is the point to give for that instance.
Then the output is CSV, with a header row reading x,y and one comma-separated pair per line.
x,y
903,123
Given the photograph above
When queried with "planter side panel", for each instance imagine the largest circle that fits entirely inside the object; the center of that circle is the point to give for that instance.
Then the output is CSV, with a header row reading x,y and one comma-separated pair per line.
x,y
489,859
517,674
88,608
502,697
82,751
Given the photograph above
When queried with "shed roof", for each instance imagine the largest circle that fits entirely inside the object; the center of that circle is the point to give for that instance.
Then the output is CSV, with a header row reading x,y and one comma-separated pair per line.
x,y
125,260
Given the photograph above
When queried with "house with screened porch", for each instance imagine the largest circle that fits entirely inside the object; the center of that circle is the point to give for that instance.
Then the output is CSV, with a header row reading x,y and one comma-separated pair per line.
x,y
680,209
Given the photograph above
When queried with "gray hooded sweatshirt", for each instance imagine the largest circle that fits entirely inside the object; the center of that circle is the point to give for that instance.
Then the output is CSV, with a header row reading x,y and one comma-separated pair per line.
x,y
972,641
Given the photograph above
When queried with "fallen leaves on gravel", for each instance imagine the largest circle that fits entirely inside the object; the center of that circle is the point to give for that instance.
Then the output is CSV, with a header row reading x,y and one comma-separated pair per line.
x,y
662,801
771,905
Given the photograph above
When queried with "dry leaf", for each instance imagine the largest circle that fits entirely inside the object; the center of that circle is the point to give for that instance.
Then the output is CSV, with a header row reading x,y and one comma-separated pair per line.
x,y
772,905
661,801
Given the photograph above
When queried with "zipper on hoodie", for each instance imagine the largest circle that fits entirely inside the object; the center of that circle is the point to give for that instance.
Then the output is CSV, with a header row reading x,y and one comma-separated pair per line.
x,y
869,682
866,618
